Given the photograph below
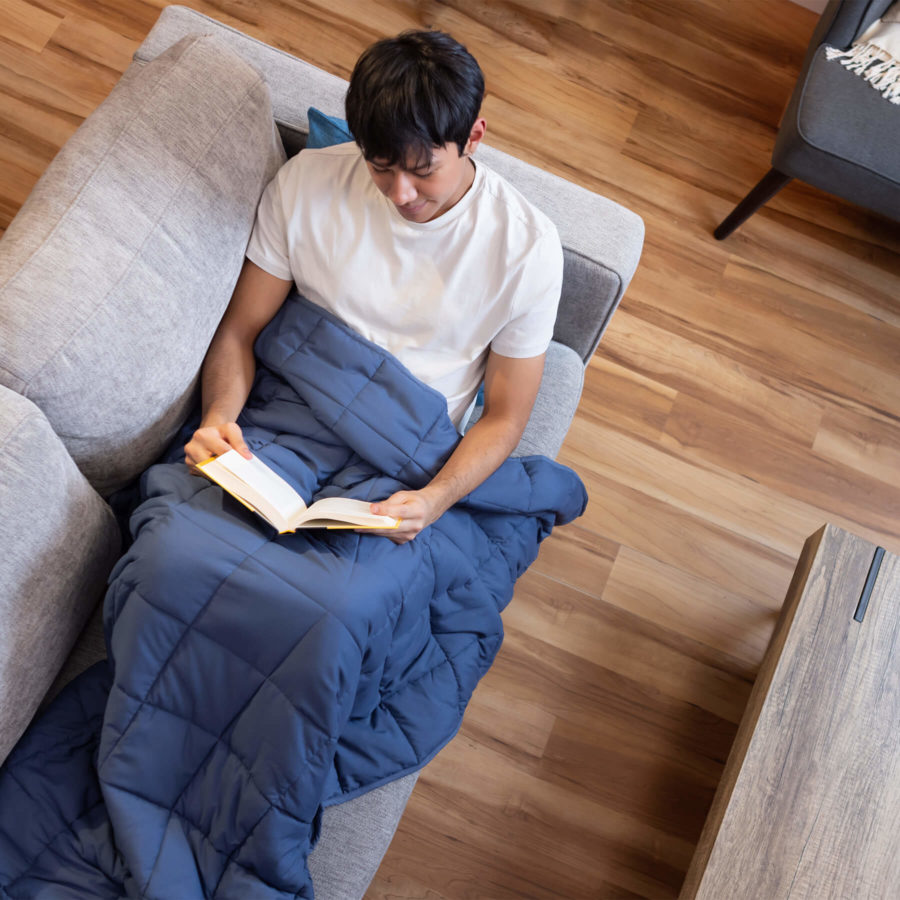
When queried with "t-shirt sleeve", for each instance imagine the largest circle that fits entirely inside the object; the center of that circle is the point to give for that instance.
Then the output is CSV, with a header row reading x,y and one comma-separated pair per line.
x,y
268,246
538,286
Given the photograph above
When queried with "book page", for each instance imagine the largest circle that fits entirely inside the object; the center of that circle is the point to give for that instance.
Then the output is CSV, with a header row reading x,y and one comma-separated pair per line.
x,y
345,509
253,483
267,491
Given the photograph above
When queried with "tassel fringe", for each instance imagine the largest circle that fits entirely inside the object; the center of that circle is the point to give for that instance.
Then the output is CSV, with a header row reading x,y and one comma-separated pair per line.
x,y
875,65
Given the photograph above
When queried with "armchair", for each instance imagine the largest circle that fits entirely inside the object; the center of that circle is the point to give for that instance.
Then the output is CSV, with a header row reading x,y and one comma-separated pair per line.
x,y
837,133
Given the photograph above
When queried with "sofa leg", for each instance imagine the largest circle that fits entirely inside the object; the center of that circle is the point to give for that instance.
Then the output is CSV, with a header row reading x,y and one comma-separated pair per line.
x,y
770,184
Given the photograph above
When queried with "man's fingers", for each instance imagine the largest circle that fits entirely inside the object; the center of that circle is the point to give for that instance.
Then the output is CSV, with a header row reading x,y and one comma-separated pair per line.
x,y
214,441
235,438
395,506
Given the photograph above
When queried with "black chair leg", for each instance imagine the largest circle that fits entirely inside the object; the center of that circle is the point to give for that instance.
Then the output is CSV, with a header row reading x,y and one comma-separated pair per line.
x,y
770,184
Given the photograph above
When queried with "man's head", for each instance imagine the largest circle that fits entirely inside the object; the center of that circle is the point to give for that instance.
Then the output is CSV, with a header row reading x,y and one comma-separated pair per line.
x,y
413,107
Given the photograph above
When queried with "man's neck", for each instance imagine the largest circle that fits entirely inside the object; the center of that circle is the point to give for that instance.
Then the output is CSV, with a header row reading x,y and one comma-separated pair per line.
x,y
466,186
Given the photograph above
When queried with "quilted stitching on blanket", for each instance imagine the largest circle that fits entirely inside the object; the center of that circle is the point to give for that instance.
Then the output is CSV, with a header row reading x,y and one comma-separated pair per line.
x,y
254,677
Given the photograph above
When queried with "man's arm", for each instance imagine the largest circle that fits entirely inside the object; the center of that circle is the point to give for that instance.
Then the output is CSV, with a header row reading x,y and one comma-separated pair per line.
x,y
229,367
510,387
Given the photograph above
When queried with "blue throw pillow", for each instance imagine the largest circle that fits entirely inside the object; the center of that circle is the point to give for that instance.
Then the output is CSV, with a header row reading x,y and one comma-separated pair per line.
x,y
326,131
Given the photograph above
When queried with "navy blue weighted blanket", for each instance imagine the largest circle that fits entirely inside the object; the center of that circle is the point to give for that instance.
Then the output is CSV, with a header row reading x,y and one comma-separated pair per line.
x,y
255,677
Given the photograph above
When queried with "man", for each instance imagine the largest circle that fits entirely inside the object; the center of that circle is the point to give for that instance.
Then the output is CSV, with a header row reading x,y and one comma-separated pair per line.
x,y
416,247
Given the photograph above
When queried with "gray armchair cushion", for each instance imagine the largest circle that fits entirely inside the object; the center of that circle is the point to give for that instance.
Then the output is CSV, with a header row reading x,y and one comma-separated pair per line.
x,y
840,134
59,540
837,132
117,269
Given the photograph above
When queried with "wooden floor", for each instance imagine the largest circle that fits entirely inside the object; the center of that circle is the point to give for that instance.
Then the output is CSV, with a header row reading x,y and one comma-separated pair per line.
x,y
745,393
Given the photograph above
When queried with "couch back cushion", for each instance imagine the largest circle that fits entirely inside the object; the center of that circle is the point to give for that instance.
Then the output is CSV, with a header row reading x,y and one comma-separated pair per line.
x,y
59,541
117,269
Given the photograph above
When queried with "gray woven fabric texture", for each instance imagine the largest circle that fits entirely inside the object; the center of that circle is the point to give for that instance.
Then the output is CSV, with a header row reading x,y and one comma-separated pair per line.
x,y
283,73
590,295
355,837
90,648
59,540
118,267
554,408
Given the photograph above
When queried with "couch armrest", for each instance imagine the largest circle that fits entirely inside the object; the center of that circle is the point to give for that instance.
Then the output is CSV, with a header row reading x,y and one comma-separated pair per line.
x,y
555,405
59,541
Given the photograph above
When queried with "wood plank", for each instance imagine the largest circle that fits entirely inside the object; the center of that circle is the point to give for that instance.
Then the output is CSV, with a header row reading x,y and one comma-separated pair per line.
x,y
623,712
868,445
529,722
696,487
714,377
824,266
577,557
27,25
619,396
583,841
598,633
695,546
630,782
685,604
94,41
23,181
765,322
54,81
729,442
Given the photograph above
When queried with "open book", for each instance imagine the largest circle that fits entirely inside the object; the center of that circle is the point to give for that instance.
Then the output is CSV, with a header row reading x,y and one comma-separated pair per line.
x,y
256,486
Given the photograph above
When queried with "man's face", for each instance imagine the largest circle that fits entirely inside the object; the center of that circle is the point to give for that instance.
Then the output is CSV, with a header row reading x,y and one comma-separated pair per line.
x,y
424,189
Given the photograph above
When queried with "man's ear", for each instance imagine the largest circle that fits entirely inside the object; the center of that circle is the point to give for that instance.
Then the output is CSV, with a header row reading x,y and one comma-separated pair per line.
x,y
475,136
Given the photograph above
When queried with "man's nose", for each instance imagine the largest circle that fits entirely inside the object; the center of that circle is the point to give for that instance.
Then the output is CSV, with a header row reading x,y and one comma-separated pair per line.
x,y
402,190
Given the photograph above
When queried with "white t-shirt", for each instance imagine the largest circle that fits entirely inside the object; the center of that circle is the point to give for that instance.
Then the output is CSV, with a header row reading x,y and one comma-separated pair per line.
x,y
487,273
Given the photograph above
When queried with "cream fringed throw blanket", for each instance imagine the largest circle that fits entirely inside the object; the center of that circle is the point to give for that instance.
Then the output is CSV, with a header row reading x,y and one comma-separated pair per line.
x,y
876,55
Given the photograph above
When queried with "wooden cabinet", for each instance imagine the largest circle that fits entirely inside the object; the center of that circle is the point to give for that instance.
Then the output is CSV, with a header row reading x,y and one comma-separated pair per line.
x,y
809,802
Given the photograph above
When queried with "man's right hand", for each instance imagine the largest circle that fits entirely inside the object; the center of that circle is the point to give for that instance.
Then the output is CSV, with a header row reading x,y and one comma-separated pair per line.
x,y
214,440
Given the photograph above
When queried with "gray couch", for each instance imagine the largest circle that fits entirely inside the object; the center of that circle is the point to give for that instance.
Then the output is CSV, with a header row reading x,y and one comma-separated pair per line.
x,y
113,277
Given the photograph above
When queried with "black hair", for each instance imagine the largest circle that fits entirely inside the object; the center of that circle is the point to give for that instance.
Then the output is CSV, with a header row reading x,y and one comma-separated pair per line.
x,y
411,93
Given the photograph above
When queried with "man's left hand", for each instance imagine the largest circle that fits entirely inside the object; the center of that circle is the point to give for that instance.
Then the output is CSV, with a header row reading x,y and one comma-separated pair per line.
x,y
415,509
510,386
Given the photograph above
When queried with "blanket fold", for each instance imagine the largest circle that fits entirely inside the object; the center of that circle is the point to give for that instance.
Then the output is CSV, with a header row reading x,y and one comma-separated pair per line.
x,y
255,677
